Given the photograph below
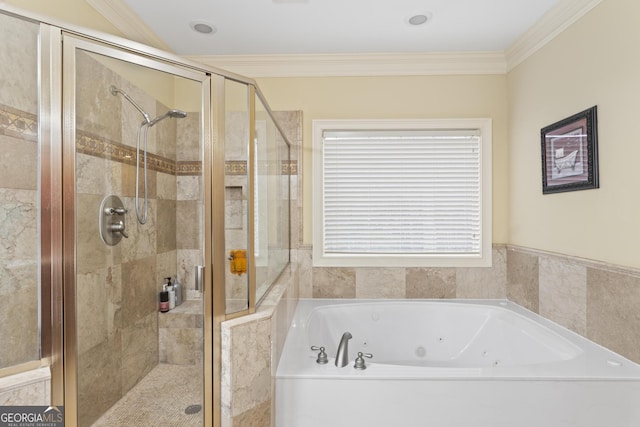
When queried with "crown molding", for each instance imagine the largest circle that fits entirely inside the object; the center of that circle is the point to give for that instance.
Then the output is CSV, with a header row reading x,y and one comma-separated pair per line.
x,y
126,20
554,22
376,64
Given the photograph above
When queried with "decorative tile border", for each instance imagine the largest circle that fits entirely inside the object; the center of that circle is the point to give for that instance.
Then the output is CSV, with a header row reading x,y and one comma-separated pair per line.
x,y
18,124
239,167
23,125
235,167
289,167
87,143
188,168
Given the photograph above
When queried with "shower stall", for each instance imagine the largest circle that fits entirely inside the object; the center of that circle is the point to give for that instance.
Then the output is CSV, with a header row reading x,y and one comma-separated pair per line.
x,y
125,168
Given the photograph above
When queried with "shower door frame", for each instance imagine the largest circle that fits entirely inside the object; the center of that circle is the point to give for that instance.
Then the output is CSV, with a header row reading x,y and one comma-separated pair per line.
x,y
72,42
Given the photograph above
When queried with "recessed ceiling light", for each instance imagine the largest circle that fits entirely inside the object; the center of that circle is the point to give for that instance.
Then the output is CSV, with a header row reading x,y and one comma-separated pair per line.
x,y
418,19
203,27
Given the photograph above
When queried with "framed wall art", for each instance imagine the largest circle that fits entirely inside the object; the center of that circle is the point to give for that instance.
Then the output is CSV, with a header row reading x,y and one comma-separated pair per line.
x,y
570,153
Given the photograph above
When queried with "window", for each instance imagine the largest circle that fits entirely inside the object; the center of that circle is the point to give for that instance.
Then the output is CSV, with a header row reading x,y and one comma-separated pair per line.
x,y
402,193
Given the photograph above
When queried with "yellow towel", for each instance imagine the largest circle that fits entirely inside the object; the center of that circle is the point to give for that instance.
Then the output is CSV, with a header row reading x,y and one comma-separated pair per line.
x,y
238,261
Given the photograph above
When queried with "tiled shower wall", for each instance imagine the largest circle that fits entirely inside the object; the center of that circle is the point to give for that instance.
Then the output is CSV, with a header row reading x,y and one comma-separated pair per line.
x,y
19,198
236,196
251,345
117,286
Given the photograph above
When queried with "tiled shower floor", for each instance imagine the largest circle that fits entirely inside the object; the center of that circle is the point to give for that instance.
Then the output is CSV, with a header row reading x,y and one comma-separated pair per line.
x,y
160,399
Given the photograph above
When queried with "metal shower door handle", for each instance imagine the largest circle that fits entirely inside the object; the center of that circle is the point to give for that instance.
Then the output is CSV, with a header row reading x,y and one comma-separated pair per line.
x,y
199,277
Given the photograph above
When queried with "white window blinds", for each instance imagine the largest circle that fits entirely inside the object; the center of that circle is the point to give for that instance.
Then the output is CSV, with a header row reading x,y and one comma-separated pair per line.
x,y
402,192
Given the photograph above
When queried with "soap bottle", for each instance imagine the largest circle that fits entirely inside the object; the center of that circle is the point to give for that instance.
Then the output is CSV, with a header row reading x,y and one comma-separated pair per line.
x,y
172,294
178,290
164,299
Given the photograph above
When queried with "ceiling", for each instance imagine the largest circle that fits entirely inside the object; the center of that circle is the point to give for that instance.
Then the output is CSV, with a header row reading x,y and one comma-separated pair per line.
x,y
266,27
296,38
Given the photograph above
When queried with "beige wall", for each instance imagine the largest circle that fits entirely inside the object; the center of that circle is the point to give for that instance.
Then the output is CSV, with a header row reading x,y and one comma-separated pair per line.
x,y
71,11
159,85
594,62
398,97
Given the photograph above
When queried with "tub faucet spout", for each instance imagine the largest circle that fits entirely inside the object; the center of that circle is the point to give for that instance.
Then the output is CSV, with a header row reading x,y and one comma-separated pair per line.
x,y
342,356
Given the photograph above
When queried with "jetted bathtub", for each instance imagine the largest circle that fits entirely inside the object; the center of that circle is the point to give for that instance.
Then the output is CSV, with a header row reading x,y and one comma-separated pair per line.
x,y
449,363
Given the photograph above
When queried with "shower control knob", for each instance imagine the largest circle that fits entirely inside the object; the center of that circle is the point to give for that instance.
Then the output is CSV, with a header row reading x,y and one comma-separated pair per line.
x,y
114,211
112,220
322,355
119,227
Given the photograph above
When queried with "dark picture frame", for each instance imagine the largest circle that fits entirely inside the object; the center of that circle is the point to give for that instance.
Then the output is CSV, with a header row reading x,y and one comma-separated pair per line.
x,y
570,153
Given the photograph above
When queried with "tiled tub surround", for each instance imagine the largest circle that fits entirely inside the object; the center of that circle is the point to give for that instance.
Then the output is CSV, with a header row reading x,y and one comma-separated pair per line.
x,y
371,282
251,348
118,286
596,300
593,299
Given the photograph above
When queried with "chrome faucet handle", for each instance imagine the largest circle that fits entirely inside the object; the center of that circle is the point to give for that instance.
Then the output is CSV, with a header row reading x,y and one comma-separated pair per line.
x,y
322,356
360,360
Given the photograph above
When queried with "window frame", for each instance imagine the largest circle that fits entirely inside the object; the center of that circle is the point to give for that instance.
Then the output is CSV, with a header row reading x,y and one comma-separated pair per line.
x,y
483,259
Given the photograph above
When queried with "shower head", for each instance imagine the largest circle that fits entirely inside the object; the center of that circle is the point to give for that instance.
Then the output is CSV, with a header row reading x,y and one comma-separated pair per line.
x,y
176,114
115,91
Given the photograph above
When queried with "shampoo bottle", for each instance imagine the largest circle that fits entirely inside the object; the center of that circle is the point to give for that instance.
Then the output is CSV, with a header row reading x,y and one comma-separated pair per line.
x,y
164,299
172,294
178,290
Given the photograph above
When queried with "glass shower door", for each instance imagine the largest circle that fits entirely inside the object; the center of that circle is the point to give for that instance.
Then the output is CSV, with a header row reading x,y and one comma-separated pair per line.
x,y
134,228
